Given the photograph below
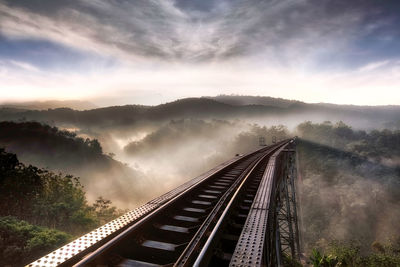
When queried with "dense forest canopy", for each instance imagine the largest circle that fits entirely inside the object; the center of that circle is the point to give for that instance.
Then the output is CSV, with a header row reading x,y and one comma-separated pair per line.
x,y
61,150
350,194
58,144
376,144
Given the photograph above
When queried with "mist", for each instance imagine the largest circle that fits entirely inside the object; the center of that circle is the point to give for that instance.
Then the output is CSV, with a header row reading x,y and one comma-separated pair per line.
x,y
347,194
348,156
348,189
163,157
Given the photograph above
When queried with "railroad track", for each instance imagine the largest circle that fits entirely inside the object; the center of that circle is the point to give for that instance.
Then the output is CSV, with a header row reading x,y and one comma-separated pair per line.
x,y
208,221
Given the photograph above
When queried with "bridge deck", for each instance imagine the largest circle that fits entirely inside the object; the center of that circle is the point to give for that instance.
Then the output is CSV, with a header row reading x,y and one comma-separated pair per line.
x,y
173,228
250,246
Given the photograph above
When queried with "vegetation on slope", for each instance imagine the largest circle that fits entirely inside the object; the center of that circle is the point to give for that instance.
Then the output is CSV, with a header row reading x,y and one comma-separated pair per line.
x,y
63,151
34,196
62,148
222,107
376,144
22,242
350,195
350,178
340,253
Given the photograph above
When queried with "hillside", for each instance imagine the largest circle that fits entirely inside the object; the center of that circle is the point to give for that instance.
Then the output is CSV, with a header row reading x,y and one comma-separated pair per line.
x,y
349,206
222,107
243,100
42,105
41,210
57,150
338,164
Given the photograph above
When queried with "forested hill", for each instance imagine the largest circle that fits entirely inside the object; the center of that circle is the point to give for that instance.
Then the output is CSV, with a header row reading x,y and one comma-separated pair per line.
x,y
49,147
349,191
41,105
129,114
239,100
41,210
223,107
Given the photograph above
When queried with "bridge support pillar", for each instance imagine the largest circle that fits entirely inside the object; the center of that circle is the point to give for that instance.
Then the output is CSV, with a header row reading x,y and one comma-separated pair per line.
x,y
286,220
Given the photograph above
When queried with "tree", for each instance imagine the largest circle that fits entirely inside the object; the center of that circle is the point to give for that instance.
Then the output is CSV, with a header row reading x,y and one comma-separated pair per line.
x,y
104,211
21,242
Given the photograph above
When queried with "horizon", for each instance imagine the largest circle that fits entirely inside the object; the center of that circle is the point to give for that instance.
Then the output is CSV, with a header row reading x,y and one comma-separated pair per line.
x,y
156,52
95,105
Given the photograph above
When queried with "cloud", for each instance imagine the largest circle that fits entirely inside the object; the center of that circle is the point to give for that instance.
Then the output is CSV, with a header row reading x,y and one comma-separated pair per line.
x,y
17,65
152,51
374,66
120,86
282,32
121,30
24,66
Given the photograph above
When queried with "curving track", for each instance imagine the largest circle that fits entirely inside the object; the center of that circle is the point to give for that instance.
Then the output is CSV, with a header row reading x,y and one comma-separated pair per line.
x,y
209,221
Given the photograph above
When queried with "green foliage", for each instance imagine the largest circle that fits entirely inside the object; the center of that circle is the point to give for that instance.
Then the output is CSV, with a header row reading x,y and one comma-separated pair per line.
x,y
45,198
319,260
21,242
42,198
19,185
375,144
104,211
348,254
350,192
62,148
346,196
289,261
62,204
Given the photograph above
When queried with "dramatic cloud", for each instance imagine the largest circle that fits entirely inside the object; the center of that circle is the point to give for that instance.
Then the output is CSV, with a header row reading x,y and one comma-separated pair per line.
x,y
286,31
97,36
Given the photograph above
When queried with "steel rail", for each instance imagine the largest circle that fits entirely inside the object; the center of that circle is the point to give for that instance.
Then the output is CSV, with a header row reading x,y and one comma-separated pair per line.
x,y
90,259
116,240
190,251
207,247
205,254
83,246
250,247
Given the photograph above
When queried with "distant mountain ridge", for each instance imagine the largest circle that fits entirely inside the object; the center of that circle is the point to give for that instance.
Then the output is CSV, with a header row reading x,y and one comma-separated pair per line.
x,y
220,107
43,105
244,100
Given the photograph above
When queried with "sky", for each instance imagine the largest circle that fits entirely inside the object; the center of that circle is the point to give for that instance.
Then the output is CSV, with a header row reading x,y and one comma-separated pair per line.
x,y
114,52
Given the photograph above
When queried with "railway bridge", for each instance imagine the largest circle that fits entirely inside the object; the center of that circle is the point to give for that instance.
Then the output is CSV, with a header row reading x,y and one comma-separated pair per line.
x,y
241,213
